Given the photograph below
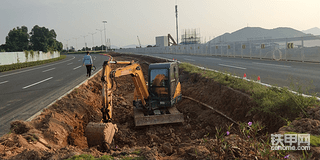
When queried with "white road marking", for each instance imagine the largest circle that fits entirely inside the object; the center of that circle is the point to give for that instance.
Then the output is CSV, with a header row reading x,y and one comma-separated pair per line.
x,y
188,59
70,63
76,68
36,68
231,66
79,60
37,83
49,70
276,65
4,82
214,58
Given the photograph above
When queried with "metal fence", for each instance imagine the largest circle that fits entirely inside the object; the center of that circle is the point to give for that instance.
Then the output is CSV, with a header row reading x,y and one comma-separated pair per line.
x,y
287,49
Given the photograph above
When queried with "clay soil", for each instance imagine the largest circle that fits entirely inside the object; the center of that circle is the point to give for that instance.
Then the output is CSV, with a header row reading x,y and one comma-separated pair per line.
x,y
58,133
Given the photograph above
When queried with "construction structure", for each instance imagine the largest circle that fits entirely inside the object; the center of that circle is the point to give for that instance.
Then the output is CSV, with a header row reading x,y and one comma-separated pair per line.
x,y
162,41
190,36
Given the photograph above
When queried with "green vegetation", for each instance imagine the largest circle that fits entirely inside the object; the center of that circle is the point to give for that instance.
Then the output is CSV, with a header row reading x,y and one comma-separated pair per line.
x,y
39,39
4,68
105,157
270,100
90,157
137,152
17,40
314,139
84,52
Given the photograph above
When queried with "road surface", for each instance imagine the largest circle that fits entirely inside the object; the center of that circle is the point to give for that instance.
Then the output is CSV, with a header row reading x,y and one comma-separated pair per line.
x,y
26,91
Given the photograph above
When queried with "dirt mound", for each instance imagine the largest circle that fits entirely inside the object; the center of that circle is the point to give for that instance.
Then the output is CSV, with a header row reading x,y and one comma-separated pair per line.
x,y
58,133
309,123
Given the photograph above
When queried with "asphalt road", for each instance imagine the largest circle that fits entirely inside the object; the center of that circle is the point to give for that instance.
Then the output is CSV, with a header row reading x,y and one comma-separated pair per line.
x,y
279,73
26,91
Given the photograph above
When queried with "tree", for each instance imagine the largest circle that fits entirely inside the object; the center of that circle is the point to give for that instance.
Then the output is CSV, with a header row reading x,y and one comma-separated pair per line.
x,y
17,39
43,39
3,48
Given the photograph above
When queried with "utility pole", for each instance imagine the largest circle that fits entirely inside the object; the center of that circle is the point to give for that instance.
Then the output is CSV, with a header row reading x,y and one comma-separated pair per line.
x,y
177,23
76,44
67,44
101,36
105,34
85,44
92,40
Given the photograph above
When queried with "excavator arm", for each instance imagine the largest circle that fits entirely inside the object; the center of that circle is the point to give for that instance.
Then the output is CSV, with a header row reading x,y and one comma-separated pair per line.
x,y
101,134
108,75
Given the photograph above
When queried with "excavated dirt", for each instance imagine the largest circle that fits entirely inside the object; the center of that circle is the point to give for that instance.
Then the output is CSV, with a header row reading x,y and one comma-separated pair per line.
x,y
58,133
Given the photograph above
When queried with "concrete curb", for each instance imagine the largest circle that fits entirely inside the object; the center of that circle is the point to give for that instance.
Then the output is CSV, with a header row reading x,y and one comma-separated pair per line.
x,y
38,113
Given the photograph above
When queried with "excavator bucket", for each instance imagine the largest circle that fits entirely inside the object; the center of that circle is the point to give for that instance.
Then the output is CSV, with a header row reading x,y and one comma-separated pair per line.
x,y
171,115
100,134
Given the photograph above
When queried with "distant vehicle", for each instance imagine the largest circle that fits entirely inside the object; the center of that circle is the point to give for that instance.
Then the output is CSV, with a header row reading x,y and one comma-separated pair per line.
x,y
149,45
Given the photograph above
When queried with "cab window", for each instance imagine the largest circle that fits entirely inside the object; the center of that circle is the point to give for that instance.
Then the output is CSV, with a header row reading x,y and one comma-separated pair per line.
x,y
159,77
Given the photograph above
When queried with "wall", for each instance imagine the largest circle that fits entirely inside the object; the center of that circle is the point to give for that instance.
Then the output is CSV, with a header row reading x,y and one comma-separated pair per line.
x,y
304,49
15,57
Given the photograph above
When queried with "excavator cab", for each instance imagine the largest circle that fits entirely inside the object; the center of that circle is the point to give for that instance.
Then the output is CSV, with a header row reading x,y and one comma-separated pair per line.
x,y
164,91
163,84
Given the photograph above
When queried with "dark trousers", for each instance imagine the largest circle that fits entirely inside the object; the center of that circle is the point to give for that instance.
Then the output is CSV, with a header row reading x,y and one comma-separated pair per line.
x,y
89,70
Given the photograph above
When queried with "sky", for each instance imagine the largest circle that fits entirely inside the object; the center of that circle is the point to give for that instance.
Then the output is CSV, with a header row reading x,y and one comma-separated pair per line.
x,y
127,19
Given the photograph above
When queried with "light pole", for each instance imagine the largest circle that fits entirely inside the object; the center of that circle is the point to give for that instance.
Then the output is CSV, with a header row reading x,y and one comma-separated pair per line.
x,y
105,35
76,44
67,44
85,44
101,36
92,40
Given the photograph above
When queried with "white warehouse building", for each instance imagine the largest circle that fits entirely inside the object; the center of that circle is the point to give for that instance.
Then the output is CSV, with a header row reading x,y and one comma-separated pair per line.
x,y
161,41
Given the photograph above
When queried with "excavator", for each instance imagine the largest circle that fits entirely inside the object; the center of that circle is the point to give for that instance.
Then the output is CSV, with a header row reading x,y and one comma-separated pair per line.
x,y
154,102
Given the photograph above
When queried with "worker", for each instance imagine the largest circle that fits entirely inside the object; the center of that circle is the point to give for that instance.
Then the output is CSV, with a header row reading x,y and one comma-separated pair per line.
x,y
87,60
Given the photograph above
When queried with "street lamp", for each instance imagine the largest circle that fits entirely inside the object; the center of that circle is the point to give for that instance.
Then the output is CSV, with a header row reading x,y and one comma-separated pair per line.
x,y
76,44
105,35
101,36
85,44
92,40
67,44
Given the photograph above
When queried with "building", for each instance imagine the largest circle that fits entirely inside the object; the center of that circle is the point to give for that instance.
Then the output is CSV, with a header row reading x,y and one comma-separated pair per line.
x,y
161,41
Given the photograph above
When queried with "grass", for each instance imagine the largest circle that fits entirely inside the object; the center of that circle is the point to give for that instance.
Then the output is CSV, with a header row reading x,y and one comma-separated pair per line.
x,y
84,52
104,157
314,139
137,152
15,66
273,101
90,157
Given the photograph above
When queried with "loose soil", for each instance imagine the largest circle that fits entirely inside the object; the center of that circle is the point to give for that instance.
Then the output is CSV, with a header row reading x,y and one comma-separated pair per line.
x,y
58,133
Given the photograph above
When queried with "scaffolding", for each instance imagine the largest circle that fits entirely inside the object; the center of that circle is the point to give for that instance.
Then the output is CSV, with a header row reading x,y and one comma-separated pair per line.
x,y
190,36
